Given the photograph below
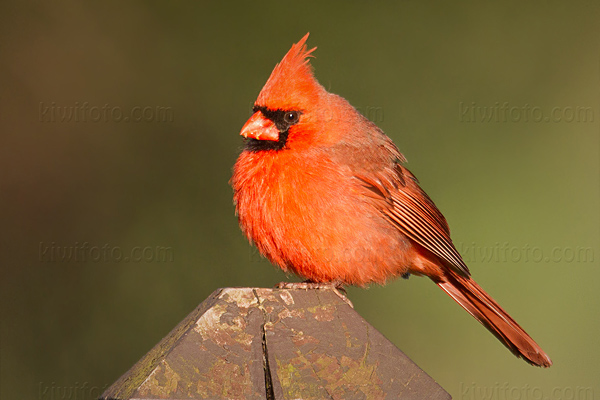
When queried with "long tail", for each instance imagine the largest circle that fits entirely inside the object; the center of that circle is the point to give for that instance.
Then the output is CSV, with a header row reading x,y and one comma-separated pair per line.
x,y
466,292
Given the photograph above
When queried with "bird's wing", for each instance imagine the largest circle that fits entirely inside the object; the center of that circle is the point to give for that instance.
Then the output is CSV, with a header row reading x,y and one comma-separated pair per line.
x,y
407,206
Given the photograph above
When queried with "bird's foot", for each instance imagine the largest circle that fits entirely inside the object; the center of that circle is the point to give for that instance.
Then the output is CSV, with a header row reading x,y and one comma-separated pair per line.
x,y
336,286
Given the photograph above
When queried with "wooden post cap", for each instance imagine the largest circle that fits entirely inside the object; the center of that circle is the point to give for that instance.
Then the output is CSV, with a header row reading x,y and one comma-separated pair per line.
x,y
256,343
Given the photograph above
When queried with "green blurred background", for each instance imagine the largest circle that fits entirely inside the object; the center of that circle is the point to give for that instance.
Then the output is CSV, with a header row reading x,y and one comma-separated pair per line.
x,y
521,195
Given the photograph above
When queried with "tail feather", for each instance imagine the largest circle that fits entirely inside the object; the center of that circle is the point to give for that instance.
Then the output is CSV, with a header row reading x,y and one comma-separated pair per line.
x,y
466,292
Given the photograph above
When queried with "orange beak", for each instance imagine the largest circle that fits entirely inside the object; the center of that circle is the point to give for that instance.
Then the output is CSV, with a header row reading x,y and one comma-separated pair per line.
x,y
260,127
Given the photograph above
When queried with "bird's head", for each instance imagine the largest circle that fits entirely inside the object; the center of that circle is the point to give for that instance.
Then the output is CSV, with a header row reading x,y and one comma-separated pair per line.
x,y
290,107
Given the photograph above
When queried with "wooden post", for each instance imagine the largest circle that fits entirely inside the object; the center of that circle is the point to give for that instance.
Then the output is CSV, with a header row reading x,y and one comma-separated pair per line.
x,y
255,343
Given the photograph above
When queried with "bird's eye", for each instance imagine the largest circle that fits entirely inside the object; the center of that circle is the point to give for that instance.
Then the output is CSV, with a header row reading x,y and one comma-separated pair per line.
x,y
291,117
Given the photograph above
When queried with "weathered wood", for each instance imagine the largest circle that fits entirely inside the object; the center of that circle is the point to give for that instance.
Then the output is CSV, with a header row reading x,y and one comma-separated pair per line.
x,y
255,343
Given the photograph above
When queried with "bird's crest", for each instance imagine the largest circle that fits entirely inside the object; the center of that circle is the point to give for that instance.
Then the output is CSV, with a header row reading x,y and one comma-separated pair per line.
x,y
291,84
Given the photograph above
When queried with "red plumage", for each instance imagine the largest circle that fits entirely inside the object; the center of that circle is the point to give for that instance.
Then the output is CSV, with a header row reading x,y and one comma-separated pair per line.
x,y
322,192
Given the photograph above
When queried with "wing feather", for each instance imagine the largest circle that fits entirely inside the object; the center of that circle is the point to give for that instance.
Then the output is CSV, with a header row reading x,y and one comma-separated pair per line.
x,y
409,208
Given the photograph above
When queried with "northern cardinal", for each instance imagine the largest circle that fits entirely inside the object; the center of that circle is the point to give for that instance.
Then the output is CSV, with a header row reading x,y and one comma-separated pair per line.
x,y
322,192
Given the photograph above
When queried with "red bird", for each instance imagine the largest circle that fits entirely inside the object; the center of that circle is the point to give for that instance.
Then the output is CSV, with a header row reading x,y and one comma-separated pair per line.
x,y
322,192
